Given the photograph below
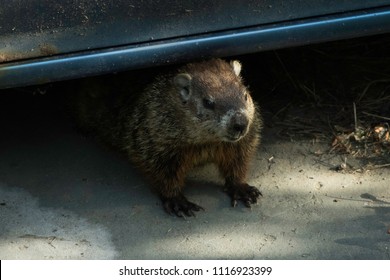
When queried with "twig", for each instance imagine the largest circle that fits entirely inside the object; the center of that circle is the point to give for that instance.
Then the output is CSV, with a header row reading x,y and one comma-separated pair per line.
x,y
379,166
350,199
369,85
355,116
376,116
286,71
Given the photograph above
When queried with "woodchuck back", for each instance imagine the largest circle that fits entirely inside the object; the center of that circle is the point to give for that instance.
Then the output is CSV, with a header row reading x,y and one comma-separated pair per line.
x,y
197,114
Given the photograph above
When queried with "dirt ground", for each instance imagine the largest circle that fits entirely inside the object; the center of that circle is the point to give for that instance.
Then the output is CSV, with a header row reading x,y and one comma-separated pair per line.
x,y
65,196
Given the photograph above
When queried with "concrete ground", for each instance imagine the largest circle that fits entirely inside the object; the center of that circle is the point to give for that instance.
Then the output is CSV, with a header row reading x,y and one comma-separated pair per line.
x,y
66,196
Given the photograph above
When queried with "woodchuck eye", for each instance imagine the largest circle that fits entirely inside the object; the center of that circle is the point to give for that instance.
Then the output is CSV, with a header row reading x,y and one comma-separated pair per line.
x,y
208,104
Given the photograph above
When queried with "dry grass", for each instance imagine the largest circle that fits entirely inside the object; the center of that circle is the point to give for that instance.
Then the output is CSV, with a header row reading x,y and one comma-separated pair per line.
x,y
341,95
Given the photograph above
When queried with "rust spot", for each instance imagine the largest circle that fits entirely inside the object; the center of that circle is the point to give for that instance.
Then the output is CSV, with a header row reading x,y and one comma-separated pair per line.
x,y
48,49
6,56
44,49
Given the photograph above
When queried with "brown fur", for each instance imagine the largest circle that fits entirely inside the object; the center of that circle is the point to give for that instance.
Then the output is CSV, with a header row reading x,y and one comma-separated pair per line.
x,y
198,114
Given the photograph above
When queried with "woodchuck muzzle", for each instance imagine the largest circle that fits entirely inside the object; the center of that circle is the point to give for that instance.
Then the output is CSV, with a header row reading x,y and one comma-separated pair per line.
x,y
200,113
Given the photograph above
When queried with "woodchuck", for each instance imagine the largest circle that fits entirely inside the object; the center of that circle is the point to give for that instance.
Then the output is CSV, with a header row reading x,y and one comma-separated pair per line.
x,y
200,113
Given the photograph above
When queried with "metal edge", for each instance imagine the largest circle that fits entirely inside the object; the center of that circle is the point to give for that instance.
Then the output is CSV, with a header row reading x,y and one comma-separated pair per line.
x,y
219,44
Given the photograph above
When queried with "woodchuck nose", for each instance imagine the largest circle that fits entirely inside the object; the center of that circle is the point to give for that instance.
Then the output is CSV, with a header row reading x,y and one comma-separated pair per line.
x,y
200,113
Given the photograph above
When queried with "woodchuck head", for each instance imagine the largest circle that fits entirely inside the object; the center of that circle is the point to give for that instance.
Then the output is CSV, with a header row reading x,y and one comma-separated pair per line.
x,y
215,100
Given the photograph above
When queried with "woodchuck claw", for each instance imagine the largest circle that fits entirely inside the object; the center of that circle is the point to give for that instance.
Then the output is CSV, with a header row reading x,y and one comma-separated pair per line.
x,y
180,206
244,192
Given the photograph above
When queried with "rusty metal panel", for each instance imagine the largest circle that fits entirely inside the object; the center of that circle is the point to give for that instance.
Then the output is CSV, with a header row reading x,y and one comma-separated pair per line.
x,y
43,41
37,28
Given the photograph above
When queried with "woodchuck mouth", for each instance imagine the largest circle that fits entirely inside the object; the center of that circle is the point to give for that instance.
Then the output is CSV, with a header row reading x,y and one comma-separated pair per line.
x,y
233,138
236,125
236,132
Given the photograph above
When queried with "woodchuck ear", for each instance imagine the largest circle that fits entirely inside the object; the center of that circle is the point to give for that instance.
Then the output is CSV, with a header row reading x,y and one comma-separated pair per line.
x,y
183,83
236,67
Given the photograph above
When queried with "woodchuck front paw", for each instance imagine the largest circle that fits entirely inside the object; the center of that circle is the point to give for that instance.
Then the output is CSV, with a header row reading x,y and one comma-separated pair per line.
x,y
244,192
180,206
